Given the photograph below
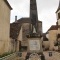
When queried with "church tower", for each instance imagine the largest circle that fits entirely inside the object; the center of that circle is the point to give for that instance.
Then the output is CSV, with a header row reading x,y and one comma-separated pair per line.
x,y
58,24
33,15
58,17
58,14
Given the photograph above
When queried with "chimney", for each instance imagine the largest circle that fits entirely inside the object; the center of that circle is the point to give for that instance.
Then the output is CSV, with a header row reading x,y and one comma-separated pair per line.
x,y
15,18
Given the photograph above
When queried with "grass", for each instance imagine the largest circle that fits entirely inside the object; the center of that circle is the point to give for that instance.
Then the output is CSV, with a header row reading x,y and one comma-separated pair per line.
x,y
5,54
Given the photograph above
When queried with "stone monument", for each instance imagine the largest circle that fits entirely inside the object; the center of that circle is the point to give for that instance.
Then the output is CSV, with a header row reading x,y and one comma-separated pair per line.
x,y
34,38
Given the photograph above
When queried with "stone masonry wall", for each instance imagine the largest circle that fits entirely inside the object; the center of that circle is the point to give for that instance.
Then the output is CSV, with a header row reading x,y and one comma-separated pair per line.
x,y
4,27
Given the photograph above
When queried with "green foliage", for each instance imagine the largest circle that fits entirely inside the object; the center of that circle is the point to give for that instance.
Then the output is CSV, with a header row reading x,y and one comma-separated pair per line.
x,y
5,54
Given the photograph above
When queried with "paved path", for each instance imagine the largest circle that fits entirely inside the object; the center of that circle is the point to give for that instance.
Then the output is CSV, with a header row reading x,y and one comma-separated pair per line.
x,y
21,58
55,56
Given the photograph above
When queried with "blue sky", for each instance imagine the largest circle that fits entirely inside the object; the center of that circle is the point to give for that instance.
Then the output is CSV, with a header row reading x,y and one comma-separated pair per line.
x,y
46,11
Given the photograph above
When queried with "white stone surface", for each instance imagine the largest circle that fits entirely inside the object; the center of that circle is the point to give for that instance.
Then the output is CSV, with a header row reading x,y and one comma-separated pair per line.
x,y
34,45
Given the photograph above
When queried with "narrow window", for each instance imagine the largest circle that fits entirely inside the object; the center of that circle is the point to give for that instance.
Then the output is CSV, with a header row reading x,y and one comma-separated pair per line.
x,y
58,15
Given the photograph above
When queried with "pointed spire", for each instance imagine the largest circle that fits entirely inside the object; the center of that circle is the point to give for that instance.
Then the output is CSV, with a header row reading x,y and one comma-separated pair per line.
x,y
33,14
58,7
33,8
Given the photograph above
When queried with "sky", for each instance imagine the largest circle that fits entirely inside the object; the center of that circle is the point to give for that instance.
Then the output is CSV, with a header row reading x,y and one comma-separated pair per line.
x,y
46,11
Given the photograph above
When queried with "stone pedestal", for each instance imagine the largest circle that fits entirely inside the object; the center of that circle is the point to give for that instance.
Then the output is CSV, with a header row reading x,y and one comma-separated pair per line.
x,y
34,50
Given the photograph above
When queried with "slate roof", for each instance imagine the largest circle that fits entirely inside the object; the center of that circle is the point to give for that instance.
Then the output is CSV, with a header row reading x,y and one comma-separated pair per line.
x,y
24,20
8,4
58,7
14,30
53,27
16,26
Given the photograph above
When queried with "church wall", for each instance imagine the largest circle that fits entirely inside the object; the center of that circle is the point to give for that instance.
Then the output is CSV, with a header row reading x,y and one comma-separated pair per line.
x,y
57,14
52,38
12,45
20,35
58,31
59,22
46,45
17,46
40,27
25,31
57,17
19,39
4,27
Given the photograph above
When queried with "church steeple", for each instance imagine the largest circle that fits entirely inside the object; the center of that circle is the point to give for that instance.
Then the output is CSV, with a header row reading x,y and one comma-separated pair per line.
x,y
58,7
33,14
58,12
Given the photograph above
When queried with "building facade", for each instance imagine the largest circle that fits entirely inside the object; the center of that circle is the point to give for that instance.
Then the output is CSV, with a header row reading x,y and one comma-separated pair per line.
x,y
5,9
58,24
19,31
53,37
54,33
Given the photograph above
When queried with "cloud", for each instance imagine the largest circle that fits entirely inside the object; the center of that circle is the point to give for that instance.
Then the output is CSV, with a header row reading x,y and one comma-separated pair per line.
x,y
48,17
46,11
20,8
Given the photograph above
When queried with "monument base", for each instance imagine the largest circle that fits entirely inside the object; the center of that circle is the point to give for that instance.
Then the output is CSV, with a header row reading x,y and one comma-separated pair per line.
x,y
34,50
35,56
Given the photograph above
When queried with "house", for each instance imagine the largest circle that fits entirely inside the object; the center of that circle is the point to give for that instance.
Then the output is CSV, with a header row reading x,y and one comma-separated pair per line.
x,y
46,43
52,36
5,10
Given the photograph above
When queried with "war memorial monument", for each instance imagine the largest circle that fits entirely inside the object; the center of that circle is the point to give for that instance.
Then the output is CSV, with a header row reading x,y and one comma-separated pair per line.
x,y
34,49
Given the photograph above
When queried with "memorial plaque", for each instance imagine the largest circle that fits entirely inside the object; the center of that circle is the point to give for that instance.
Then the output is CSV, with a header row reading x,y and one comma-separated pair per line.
x,y
34,44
